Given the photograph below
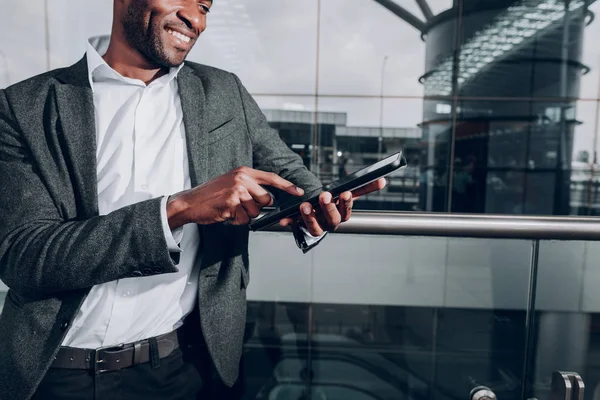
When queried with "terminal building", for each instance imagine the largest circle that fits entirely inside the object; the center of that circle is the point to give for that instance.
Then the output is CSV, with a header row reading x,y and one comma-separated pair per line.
x,y
332,150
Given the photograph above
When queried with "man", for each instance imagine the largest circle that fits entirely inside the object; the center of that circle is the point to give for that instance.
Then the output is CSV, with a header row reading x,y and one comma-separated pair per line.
x,y
128,181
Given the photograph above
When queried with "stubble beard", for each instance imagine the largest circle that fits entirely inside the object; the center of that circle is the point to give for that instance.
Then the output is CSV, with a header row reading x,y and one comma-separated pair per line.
x,y
146,39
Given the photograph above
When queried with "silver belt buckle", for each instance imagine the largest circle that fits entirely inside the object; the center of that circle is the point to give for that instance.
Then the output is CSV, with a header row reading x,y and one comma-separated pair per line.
x,y
98,362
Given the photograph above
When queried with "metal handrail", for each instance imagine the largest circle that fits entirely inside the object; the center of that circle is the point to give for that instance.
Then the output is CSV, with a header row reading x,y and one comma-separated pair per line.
x,y
470,226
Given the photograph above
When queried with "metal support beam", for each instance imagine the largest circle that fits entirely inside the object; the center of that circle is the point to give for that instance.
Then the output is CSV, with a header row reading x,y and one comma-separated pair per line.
x,y
425,9
403,14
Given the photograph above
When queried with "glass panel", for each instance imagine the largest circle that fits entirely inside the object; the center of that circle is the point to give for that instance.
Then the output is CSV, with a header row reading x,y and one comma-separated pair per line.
x,y
271,45
584,195
590,81
275,348
435,147
411,6
71,24
4,72
481,329
525,48
521,157
295,120
279,277
395,270
365,49
439,6
567,307
24,55
441,42
363,130
276,342
383,352
388,317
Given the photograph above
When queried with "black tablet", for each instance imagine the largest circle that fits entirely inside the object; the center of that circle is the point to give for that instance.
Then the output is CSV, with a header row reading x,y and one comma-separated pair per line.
x,y
350,182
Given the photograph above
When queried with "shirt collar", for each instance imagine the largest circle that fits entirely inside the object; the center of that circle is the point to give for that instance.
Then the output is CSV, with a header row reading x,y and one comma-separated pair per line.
x,y
99,70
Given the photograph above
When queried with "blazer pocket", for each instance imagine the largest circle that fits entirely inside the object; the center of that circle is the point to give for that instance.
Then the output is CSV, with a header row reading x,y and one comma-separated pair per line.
x,y
220,132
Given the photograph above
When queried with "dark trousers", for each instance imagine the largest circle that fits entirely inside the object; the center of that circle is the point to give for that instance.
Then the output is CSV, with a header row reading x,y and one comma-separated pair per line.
x,y
187,373
173,378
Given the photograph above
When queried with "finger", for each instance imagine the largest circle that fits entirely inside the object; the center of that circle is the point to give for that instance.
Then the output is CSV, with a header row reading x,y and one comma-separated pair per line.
x,y
286,222
250,207
261,197
369,188
330,213
309,218
345,205
240,217
271,179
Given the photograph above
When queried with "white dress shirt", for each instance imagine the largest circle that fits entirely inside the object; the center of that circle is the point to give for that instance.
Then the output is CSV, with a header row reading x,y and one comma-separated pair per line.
x,y
141,154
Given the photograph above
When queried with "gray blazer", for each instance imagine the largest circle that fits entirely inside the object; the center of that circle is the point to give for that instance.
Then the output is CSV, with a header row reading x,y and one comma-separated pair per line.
x,y
53,244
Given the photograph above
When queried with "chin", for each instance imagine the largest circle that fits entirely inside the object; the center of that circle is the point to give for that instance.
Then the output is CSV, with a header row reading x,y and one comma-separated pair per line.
x,y
173,56
165,59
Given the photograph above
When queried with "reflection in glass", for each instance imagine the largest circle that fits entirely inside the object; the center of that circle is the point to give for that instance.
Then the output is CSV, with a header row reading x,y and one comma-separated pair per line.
x,y
567,316
359,50
271,45
516,155
509,48
392,318
381,352
451,63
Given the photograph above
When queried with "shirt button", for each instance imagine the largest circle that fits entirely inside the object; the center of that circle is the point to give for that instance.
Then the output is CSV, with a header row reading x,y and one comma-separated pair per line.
x,y
127,293
144,186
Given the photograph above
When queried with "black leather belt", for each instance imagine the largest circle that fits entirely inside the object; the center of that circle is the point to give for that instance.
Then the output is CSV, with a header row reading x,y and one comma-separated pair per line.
x,y
113,358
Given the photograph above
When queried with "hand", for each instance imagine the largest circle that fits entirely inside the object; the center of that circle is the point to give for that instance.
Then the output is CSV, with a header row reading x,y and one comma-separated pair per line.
x,y
236,197
331,214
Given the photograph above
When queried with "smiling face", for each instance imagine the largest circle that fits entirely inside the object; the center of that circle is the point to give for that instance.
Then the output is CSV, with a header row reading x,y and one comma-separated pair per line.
x,y
163,31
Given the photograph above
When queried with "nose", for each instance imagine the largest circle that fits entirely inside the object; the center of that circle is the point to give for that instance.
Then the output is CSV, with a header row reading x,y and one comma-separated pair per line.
x,y
194,19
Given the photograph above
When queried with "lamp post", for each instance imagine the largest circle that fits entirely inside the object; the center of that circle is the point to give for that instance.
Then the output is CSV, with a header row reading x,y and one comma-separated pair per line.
x,y
47,35
380,140
6,77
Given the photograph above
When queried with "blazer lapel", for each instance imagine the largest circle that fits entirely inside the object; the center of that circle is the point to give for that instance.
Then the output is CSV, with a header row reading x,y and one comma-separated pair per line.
x,y
75,102
193,105
76,112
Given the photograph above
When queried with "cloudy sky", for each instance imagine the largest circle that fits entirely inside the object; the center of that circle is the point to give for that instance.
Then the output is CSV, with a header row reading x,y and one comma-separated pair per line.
x,y
272,45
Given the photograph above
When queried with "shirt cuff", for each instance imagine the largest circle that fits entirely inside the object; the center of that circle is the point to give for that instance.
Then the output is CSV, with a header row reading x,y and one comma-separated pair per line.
x,y
173,237
310,239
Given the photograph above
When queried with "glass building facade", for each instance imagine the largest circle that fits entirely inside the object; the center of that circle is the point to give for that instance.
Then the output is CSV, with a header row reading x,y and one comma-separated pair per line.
x,y
495,104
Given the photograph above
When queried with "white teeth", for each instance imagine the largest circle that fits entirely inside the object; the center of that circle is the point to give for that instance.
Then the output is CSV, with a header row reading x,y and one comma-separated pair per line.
x,y
180,36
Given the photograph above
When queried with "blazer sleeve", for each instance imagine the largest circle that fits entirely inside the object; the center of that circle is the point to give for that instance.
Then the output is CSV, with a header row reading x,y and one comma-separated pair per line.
x,y
42,254
270,153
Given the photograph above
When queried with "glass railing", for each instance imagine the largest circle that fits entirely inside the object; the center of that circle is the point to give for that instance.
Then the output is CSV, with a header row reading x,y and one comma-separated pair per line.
x,y
426,307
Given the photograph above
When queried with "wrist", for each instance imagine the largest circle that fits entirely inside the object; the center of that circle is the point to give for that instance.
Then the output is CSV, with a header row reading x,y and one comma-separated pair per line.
x,y
176,211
